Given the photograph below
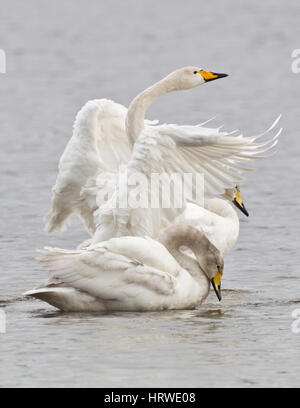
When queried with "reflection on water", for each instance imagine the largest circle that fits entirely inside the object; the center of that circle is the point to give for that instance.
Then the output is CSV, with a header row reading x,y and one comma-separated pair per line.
x,y
245,340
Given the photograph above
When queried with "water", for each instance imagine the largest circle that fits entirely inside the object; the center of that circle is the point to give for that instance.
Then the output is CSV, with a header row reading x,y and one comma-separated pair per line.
x,y
59,55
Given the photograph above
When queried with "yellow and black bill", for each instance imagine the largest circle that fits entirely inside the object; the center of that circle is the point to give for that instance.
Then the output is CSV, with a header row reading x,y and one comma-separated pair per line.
x,y
238,202
211,76
216,284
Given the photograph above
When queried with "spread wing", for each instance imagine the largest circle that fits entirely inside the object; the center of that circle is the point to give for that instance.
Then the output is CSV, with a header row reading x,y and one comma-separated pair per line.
x,y
219,156
99,146
170,149
98,143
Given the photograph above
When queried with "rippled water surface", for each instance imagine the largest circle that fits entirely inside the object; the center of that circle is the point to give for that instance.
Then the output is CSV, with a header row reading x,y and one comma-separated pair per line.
x,y
59,55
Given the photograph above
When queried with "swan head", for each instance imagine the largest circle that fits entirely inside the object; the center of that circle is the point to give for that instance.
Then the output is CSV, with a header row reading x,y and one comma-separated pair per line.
x,y
209,260
234,195
212,264
190,77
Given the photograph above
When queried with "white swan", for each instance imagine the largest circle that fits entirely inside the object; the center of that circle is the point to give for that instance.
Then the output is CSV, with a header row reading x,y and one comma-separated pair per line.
x,y
101,142
217,220
133,274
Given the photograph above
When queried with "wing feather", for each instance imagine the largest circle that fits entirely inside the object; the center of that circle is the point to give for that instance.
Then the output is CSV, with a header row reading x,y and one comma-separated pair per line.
x,y
99,147
99,143
104,272
185,149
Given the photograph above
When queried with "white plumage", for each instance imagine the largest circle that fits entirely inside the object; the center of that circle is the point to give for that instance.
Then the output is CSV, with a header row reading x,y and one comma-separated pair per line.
x,y
217,220
132,273
107,135
137,273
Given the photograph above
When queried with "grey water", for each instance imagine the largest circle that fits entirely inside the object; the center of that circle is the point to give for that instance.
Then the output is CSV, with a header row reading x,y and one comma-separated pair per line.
x,y
61,54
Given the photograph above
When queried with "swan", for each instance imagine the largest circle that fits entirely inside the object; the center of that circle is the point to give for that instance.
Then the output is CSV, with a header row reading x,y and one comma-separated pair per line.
x,y
133,273
217,220
106,135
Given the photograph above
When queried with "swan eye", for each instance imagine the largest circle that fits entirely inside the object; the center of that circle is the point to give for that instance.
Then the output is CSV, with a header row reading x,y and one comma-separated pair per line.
x,y
218,267
195,72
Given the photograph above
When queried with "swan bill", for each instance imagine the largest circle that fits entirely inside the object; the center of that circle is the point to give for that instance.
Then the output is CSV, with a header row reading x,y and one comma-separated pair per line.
x,y
238,202
216,284
210,76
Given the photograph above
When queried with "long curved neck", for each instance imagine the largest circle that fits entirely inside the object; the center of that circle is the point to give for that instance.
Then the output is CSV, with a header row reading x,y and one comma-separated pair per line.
x,y
177,236
138,107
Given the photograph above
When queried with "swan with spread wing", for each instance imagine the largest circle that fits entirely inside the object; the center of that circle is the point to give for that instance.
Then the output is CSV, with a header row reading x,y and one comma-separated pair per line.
x,y
107,135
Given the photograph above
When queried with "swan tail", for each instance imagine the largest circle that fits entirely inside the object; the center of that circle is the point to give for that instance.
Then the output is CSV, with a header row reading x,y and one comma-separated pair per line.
x,y
66,299
56,291
47,294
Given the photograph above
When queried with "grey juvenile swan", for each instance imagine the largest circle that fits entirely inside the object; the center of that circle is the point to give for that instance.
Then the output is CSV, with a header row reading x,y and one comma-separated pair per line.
x,y
133,273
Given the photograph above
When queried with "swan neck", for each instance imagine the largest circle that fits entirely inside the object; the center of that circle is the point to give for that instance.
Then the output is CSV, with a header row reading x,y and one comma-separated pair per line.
x,y
174,237
137,109
220,207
